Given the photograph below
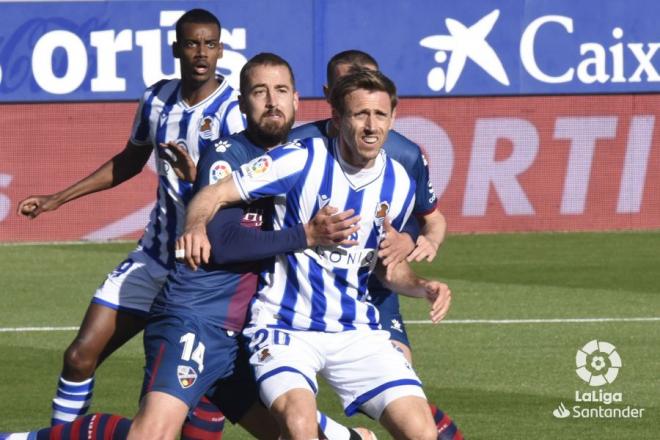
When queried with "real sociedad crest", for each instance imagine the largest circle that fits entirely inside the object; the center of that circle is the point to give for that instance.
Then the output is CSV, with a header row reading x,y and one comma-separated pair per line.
x,y
209,127
381,212
186,375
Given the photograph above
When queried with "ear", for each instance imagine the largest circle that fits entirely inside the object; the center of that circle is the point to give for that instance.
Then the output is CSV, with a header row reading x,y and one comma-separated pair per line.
x,y
175,50
336,119
242,106
326,92
296,99
392,119
221,49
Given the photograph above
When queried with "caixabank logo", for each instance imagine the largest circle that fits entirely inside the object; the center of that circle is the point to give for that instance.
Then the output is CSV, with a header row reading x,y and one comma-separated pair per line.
x,y
612,57
597,364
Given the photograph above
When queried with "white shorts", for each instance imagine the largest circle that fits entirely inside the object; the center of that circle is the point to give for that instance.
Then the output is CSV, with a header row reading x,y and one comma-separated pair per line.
x,y
133,285
362,366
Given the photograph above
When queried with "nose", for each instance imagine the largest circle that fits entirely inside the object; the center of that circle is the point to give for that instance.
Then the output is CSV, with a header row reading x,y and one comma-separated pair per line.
x,y
270,99
369,121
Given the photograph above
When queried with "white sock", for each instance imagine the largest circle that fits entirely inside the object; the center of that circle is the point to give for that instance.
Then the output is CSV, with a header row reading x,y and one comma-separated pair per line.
x,y
72,400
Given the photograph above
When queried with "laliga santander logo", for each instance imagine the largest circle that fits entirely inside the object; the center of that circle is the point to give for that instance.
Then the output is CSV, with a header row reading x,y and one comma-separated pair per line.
x,y
597,363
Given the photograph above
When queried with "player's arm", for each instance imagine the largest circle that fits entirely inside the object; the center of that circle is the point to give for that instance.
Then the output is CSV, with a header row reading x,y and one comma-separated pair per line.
x,y
404,281
202,207
396,246
433,230
233,243
126,164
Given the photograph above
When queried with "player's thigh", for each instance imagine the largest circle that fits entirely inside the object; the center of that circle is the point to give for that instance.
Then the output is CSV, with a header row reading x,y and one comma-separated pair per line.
x,y
283,361
409,417
368,373
132,286
102,331
160,417
186,356
237,394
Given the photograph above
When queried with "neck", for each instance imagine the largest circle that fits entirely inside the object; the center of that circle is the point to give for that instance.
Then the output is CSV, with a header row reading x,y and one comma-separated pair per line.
x,y
193,93
262,141
353,159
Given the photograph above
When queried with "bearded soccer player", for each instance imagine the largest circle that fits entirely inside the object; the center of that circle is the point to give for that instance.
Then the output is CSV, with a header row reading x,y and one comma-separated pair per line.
x,y
395,246
176,119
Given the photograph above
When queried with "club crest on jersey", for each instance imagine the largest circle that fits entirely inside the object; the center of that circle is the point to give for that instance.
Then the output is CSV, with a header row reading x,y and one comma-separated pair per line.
x,y
381,212
209,127
259,166
219,170
186,375
264,355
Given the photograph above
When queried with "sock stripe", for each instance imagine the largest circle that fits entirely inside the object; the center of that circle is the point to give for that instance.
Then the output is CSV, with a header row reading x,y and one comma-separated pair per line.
x,y
208,416
194,433
76,387
77,397
68,410
110,426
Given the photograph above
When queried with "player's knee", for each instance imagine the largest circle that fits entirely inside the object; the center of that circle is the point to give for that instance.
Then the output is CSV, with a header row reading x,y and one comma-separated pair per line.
x,y
79,361
299,426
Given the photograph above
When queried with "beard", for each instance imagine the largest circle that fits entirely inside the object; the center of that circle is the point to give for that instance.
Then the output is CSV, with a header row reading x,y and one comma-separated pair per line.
x,y
270,133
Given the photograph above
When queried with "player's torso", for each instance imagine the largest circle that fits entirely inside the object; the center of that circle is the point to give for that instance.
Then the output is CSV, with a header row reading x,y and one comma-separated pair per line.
x,y
219,293
194,127
331,281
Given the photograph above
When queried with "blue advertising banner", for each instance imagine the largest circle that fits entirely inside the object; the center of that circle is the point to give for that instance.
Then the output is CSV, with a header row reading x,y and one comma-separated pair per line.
x,y
112,50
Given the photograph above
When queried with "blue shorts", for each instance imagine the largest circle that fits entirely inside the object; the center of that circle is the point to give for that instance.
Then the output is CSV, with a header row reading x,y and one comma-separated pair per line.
x,y
188,357
387,303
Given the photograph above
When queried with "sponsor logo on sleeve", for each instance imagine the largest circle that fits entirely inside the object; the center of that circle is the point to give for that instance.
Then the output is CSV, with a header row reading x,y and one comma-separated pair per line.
x,y
219,170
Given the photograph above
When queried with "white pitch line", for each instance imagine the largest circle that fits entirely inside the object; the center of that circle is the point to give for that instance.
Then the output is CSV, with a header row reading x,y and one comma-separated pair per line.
x,y
447,321
36,329
538,321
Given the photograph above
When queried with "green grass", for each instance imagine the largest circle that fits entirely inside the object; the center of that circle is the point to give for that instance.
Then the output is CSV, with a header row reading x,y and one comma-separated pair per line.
x,y
498,381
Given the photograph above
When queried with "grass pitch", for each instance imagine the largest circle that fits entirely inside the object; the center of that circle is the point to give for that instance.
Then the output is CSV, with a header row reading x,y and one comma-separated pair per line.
x,y
503,361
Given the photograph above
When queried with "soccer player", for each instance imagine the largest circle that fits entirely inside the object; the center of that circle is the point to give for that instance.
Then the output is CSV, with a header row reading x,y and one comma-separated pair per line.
x,y
396,246
177,119
310,315
192,335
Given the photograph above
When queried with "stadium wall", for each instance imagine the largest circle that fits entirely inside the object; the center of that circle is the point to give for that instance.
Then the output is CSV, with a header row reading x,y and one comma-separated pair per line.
x,y
534,115
497,164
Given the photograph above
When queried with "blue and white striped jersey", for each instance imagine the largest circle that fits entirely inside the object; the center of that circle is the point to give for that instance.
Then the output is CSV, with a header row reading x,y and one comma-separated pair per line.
x,y
323,289
164,116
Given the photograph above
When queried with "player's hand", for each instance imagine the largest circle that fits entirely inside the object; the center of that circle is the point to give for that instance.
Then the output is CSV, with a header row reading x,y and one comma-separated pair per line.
x,y
439,295
35,205
396,246
329,228
193,246
181,162
424,250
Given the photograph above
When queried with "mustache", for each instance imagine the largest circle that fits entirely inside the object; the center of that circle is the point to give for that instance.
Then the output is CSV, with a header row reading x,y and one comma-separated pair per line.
x,y
273,112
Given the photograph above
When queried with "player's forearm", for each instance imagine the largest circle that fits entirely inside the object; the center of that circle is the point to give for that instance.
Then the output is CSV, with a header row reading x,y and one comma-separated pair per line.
x,y
233,243
402,280
434,227
117,170
208,201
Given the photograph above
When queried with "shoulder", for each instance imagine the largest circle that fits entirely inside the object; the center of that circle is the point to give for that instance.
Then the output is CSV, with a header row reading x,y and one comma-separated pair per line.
x,y
312,129
399,147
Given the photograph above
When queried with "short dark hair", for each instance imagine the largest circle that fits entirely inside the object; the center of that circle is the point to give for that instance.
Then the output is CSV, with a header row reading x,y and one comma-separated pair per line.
x,y
370,80
263,59
195,16
356,58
